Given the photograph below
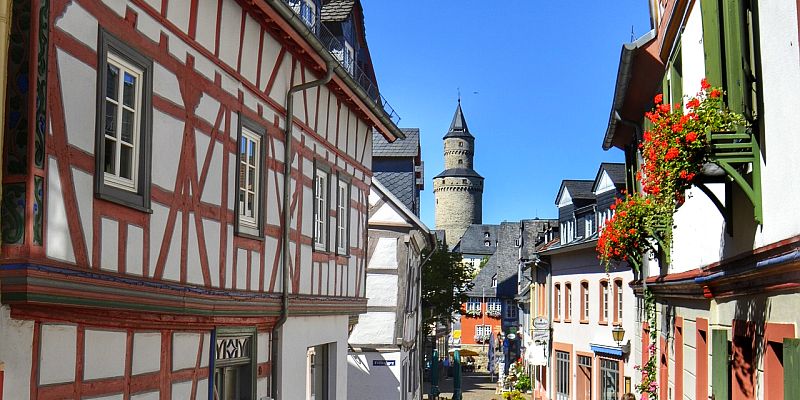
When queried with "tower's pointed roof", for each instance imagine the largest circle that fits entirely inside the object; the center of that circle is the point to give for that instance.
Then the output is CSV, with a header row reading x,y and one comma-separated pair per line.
x,y
458,128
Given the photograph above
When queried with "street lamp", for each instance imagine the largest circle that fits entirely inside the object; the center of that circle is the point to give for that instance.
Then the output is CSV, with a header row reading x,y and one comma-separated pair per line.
x,y
618,333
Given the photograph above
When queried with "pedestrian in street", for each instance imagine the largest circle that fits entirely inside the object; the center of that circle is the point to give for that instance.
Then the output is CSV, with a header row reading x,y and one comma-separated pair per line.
x,y
447,366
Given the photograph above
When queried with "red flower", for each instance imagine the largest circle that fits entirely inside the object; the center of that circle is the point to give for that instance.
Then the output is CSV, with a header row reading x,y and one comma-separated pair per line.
x,y
672,153
664,108
659,98
714,93
691,137
648,136
683,174
677,127
693,103
704,84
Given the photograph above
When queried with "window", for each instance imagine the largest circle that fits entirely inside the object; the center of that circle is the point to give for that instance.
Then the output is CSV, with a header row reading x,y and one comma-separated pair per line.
x,y
482,333
321,208
460,161
474,306
317,373
349,58
234,364
460,144
603,302
568,301
510,309
609,379
618,302
249,192
124,124
584,301
557,301
494,280
589,225
342,216
486,235
487,243
493,307
563,373
306,9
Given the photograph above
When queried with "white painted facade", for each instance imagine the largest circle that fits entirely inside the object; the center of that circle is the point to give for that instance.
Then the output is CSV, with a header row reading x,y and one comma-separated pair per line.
x,y
385,360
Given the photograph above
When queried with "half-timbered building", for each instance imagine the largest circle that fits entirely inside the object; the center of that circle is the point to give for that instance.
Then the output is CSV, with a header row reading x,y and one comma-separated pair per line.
x,y
152,245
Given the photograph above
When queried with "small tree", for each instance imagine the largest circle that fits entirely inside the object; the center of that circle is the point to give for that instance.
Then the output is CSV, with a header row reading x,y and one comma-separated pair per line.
x,y
445,281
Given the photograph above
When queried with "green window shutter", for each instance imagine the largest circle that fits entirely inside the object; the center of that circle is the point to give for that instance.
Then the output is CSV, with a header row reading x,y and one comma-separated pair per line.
x,y
676,78
720,375
735,40
791,368
711,41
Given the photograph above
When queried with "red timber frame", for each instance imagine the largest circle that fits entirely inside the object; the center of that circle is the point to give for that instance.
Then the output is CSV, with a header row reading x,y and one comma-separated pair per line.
x,y
50,291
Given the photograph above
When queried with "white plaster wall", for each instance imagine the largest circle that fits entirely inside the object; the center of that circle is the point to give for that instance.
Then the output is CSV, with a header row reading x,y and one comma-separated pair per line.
x,y
167,136
58,353
297,335
105,354
78,23
382,290
145,344
109,239
780,70
84,191
374,327
184,350
698,232
368,382
134,257
59,241
78,83
16,347
385,254
146,396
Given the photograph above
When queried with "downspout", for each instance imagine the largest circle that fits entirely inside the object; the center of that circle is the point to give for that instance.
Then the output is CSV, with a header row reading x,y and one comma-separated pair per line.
x,y
287,214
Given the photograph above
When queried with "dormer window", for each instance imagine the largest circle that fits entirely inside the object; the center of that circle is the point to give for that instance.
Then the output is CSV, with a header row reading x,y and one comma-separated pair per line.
x,y
494,280
487,243
307,10
348,57
486,235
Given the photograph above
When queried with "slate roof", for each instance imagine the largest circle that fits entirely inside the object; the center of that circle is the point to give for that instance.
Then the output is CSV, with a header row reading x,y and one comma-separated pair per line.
x,y
336,10
408,147
400,184
458,128
458,172
578,189
473,240
505,260
616,171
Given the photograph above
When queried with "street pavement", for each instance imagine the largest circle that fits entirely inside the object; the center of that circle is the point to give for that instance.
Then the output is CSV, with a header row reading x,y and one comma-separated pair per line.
x,y
474,385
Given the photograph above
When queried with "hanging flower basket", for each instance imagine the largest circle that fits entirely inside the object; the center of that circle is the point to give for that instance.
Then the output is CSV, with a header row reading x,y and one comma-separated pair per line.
x,y
473,313
675,150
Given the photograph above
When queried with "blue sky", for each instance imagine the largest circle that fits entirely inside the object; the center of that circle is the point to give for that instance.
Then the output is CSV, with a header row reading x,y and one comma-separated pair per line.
x,y
536,80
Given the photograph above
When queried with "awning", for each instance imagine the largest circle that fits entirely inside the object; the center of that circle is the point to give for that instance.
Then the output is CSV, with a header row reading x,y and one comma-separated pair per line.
x,y
605,350
639,74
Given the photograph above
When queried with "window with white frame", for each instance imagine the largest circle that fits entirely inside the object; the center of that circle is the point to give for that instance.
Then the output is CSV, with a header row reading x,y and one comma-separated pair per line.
x,y
618,294
585,301
342,216
349,57
321,208
494,280
482,332
317,372
557,302
249,179
474,305
493,307
124,124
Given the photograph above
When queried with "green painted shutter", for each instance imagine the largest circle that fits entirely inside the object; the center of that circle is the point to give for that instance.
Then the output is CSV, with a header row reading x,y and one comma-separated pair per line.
x,y
791,368
720,375
711,40
735,40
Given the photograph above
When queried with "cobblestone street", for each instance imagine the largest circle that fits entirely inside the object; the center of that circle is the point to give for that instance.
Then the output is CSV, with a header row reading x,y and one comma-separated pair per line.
x,y
475,386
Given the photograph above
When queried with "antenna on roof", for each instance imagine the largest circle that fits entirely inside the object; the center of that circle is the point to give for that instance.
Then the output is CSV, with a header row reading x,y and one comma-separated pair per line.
x,y
632,36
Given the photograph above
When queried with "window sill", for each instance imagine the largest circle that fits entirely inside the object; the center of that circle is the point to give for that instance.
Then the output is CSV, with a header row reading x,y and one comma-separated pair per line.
x,y
116,200
248,235
602,322
584,321
616,323
567,320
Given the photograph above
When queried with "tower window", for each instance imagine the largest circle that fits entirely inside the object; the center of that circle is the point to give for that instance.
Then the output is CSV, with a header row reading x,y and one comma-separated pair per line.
x,y
486,234
487,243
460,144
464,181
460,161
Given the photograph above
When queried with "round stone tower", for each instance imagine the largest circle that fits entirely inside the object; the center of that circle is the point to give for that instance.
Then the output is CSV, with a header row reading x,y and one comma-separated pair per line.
x,y
458,189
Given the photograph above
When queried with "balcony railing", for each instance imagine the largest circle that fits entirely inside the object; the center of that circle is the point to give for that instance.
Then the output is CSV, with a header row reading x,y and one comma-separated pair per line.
x,y
343,52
